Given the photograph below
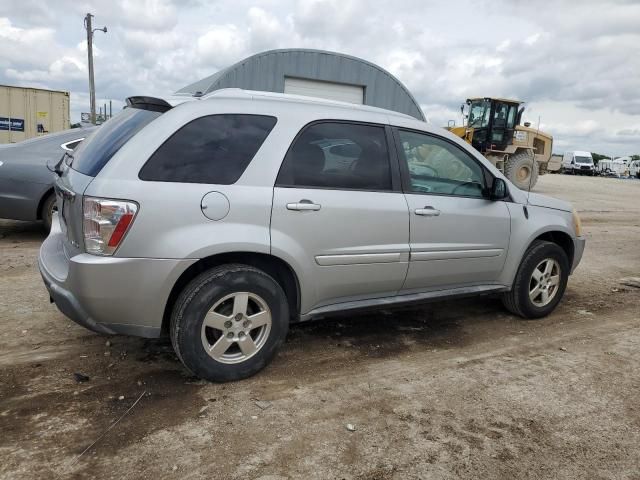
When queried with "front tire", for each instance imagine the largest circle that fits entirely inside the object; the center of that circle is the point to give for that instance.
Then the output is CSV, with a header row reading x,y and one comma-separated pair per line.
x,y
521,169
229,322
540,281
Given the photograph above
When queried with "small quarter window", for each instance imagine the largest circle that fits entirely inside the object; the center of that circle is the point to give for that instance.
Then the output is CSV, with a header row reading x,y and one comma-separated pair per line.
x,y
338,156
215,149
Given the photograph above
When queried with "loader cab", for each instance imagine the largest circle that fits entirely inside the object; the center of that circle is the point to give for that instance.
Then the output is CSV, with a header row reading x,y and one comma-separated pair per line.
x,y
493,121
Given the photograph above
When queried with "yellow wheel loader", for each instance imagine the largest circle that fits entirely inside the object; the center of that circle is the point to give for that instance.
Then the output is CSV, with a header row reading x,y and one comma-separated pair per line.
x,y
493,127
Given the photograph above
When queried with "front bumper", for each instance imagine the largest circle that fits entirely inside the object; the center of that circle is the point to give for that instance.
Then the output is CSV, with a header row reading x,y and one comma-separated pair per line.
x,y
108,295
578,250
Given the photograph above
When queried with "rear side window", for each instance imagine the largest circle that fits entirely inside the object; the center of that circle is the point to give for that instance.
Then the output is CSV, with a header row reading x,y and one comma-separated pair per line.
x,y
338,156
97,149
214,149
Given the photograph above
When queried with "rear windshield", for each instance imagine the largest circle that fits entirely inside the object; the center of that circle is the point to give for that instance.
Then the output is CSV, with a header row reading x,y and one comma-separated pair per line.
x,y
96,150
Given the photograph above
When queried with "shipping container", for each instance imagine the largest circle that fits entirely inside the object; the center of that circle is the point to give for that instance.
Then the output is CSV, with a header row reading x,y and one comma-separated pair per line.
x,y
31,112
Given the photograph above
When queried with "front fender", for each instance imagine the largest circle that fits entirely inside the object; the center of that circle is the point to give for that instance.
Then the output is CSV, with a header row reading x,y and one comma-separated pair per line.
x,y
525,230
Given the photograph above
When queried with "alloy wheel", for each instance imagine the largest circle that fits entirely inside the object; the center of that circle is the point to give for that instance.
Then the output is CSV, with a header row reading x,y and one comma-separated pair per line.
x,y
544,282
236,327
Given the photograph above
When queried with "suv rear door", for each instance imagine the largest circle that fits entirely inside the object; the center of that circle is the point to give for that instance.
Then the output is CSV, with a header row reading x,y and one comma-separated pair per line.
x,y
339,215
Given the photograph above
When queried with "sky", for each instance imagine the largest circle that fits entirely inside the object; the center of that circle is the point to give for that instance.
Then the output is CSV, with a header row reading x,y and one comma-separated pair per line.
x,y
576,64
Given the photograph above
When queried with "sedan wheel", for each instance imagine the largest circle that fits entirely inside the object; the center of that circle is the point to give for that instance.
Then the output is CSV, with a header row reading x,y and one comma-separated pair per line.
x,y
48,207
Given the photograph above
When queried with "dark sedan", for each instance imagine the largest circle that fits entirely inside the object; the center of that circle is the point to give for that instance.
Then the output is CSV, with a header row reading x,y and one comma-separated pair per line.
x,y
26,179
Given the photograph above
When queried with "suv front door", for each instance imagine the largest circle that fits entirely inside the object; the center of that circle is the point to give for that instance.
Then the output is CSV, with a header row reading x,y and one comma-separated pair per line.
x,y
339,215
458,236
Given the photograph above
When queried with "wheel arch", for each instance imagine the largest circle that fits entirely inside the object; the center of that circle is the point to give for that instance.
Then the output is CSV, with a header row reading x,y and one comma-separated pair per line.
x,y
274,266
560,238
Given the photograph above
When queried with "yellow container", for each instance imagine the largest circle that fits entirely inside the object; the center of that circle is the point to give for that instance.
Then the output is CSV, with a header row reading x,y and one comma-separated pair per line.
x,y
31,112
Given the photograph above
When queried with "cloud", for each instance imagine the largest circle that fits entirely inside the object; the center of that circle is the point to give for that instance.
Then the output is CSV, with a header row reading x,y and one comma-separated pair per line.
x,y
576,68
222,45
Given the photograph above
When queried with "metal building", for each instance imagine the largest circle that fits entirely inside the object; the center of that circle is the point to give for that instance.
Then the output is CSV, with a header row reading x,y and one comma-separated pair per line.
x,y
314,73
31,112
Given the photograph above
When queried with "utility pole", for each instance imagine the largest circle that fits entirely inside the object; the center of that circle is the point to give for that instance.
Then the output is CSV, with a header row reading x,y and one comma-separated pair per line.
x,y
92,87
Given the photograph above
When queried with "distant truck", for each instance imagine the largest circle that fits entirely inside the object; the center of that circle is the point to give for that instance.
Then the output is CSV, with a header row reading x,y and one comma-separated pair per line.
x,y
31,112
634,169
578,163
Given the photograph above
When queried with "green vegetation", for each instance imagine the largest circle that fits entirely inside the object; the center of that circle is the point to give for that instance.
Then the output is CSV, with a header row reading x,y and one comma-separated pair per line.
x,y
597,157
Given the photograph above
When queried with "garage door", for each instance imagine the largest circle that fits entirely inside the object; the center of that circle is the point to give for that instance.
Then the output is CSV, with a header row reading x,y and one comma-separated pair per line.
x,y
329,90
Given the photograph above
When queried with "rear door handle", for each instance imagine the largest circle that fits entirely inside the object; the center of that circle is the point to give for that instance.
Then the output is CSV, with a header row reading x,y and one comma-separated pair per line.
x,y
303,205
427,212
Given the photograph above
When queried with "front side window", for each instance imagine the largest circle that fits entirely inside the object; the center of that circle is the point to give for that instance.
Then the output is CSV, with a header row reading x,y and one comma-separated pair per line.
x,y
479,114
439,167
215,149
339,156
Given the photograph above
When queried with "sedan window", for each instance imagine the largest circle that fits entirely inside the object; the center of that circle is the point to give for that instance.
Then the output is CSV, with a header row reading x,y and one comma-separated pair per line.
x,y
70,146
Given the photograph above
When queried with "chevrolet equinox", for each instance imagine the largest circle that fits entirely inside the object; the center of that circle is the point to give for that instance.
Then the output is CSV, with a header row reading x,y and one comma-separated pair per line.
x,y
223,218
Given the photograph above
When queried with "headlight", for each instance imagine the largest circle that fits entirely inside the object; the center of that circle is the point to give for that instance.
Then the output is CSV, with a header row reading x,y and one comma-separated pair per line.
x,y
577,224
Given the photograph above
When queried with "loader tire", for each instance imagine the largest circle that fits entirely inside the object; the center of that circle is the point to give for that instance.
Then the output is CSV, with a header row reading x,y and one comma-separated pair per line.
x,y
522,169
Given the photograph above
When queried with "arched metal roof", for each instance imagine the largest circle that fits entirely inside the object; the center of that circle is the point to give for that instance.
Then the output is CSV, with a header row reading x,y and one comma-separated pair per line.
x,y
266,71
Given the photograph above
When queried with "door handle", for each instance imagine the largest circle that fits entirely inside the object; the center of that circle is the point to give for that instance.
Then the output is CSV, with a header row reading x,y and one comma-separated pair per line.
x,y
427,212
303,205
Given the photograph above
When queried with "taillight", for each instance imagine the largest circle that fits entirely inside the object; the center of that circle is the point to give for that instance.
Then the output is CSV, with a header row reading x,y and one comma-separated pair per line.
x,y
105,223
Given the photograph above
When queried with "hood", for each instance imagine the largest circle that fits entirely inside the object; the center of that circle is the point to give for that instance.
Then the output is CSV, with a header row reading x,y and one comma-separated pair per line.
x,y
538,200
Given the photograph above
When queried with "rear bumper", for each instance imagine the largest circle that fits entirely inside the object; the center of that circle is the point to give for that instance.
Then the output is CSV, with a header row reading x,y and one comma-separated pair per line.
x,y
108,295
578,250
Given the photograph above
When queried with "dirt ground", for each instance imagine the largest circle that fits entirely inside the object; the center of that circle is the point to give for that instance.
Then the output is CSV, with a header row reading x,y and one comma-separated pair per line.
x,y
450,390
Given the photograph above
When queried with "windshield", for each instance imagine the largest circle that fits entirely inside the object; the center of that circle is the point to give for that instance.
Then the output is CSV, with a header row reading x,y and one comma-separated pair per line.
x,y
478,114
96,150
587,160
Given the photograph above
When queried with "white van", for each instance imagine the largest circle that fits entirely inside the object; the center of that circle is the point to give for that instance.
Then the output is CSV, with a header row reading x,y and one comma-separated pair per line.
x,y
580,163
634,169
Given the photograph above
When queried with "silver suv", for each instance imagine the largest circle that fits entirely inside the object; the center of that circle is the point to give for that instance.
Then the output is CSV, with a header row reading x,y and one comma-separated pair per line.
x,y
222,219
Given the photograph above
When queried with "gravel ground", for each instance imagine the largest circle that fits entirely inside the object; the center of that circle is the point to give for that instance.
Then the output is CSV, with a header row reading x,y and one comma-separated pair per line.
x,y
451,390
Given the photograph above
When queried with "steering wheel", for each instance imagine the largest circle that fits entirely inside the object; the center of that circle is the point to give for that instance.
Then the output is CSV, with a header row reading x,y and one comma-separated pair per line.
x,y
463,184
436,173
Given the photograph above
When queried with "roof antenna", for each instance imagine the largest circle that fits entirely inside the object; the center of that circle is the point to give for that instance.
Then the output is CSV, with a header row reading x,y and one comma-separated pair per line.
x,y
533,164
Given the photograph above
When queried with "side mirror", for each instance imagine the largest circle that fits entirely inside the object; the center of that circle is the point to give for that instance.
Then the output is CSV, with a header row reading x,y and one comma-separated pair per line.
x,y
499,190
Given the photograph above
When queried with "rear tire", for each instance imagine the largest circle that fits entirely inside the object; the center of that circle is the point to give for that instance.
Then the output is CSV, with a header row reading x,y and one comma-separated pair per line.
x,y
46,211
540,281
522,169
229,322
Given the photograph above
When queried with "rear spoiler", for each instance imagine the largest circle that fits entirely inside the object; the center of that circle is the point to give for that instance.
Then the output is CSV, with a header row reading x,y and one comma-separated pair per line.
x,y
148,103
